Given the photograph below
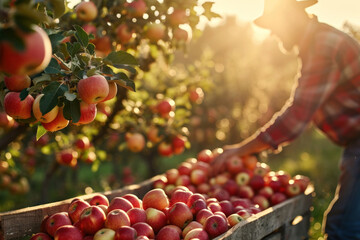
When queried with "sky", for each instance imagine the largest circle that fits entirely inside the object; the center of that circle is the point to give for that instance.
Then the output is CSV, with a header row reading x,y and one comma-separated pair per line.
x,y
332,12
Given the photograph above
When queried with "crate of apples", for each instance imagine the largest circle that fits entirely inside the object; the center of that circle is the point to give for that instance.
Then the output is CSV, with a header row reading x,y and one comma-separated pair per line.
x,y
187,202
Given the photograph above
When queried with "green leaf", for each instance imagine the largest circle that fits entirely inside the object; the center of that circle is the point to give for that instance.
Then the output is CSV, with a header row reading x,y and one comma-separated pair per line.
x,y
42,78
10,35
120,57
73,48
124,81
58,7
72,110
91,48
41,131
51,94
53,67
55,39
208,12
81,36
24,93
25,17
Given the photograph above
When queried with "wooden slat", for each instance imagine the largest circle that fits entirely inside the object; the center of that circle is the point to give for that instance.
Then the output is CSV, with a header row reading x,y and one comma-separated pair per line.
x,y
24,222
266,222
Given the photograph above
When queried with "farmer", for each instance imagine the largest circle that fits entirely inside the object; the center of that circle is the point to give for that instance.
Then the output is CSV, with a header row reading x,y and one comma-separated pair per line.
x,y
327,93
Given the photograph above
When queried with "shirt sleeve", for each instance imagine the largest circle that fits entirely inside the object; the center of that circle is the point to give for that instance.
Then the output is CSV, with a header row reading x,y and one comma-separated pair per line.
x,y
316,81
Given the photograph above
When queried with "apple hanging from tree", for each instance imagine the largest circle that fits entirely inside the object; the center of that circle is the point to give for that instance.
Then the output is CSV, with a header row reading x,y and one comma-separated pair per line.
x,y
16,83
58,123
86,11
93,89
48,117
33,59
16,108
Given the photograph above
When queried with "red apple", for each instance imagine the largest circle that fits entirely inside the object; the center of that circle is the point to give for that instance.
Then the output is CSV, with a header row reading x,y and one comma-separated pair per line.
x,y
192,225
33,59
56,221
160,183
112,91
82,143
155,218
250,162
194,197
165,149
198,176
257,182
86,11
135,201
178,17
144,229
120,203
261,169
123,33
58,123
67,157
303,181
277,198
215,225
226,207
283,177
262,201
92,219
203,188
6,121
182,35
137,8
245,192
125,233
40,236
87,113
242,178
234,219
153,134
231,187
135,142
266,192
169,232
89,29
68,232
197,233
46,118
244,213
93,89
274,183
172,175
155,198
136,215
103,45
292,189
234,164
116,219
205,155
16,83
75,209
202,215
180,215
165,106
155,31
180,196
183,180
178,144
105,234
184,168
16,108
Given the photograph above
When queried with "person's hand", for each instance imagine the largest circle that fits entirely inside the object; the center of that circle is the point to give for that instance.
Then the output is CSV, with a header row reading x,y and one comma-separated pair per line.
x,y
218,164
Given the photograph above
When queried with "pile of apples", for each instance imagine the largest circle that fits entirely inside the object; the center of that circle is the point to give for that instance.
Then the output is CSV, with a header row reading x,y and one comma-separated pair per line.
x,y
187,202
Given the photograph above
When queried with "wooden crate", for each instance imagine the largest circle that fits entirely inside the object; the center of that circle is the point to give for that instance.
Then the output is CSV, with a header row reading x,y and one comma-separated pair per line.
x,y
287,220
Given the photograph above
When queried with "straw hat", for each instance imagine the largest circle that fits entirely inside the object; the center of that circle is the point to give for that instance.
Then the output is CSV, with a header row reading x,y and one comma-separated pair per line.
x,y
273,8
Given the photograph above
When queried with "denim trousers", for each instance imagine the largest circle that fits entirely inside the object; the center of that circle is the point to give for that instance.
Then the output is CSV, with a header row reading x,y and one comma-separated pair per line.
x,y
342,218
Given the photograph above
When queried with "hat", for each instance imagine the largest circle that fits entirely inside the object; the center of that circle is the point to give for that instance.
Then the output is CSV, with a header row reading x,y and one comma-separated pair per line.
x,y
274,7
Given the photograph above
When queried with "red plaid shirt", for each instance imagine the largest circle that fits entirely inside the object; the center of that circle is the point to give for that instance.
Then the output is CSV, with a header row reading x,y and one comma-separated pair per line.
x,y
327,91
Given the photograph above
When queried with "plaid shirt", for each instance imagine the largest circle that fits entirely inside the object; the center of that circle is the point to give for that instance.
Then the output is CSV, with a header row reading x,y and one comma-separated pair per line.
x,y
327,91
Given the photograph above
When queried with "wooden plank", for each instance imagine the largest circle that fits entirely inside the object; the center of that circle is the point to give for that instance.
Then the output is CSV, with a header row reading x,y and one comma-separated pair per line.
x,y
24,222
298,230
266,222
274,236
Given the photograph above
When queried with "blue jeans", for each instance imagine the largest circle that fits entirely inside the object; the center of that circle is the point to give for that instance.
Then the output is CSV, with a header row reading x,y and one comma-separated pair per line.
x,y
342,218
